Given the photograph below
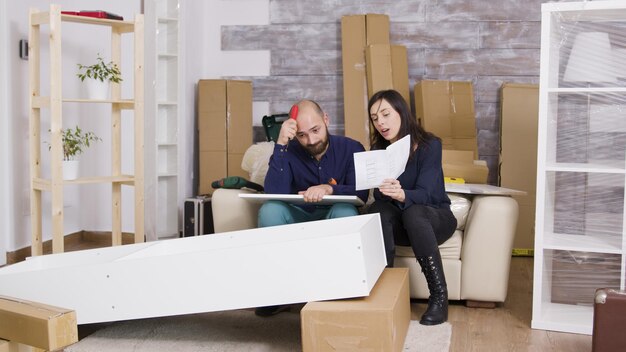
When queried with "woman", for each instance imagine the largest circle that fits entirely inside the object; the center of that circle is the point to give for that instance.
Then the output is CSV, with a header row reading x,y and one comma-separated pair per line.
x,y
414,209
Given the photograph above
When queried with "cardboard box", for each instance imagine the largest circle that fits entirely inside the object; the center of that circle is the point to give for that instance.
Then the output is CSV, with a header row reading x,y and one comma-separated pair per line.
x,y
212,115
518,154
378,64
378,322
38,325
446,108
376,29
234,165
400,71
212,167
224,128
239,116
461,163
357,32
387,68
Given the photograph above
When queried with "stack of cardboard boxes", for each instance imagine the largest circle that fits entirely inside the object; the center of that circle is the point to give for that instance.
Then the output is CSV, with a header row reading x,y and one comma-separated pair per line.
x,y
446,108
370,64
224,129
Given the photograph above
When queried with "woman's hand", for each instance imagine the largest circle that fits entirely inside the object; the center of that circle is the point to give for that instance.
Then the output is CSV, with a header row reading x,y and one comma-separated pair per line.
x,y
393,189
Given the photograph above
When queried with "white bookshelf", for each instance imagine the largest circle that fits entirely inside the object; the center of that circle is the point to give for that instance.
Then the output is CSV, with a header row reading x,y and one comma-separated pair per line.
x,y
162,42
581,171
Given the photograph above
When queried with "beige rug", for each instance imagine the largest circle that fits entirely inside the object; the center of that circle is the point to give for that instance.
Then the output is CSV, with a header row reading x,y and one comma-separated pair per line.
x,y
238,330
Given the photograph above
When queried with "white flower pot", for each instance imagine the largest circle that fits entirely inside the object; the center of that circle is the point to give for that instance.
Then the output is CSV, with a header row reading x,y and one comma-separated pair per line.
x,y
70,169
97,90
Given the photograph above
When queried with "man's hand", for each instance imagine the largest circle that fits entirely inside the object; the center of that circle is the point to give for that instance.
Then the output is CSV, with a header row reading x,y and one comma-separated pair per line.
x,y
315,193
287,131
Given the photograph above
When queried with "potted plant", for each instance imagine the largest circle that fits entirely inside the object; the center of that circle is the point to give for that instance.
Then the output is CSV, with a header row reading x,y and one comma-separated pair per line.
x,y
75,141
99,76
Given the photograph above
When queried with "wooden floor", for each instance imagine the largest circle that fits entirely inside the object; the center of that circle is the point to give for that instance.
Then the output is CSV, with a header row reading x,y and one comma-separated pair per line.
x,y
505,328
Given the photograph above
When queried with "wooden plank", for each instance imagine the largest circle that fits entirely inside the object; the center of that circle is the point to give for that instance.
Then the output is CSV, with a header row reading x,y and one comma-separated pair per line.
x,y
488,143
37,101
119,26
333,108
463,10
294,88
314,36
511,35
487,116
34,122
116,143
454,35
139,129
487,88
330,11
486,62
309,62
35,324
56,124
38,18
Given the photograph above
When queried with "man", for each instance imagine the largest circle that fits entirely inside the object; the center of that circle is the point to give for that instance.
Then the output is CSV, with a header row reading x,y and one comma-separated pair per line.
x,y
308,160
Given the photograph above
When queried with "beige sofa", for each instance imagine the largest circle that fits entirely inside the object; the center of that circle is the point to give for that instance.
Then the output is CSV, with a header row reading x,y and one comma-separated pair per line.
x,y
476,258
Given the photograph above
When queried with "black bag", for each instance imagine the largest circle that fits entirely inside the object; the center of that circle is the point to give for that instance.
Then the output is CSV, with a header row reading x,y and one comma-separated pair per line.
x,y
272,124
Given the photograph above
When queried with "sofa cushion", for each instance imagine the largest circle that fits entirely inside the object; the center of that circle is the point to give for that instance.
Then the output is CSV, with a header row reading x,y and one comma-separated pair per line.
x,y
460,206
450,249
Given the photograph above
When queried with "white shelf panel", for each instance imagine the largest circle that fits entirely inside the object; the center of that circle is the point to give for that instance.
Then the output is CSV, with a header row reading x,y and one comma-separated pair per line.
x,y
564,317
168,56
584,167
579,90
167,20
46,184
582,243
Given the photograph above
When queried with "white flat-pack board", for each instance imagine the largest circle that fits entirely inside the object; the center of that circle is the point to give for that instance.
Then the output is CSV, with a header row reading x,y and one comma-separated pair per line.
x,y
299,199
312,261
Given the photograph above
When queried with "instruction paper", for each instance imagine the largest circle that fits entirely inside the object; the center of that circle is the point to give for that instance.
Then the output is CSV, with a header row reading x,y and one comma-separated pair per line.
x,y
373,167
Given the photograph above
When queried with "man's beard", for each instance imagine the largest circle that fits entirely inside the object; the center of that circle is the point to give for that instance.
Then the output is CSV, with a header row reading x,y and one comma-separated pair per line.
x,y
319,147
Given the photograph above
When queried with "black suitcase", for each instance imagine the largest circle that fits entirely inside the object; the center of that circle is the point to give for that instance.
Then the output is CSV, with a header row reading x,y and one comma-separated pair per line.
x,y
198,216
272,124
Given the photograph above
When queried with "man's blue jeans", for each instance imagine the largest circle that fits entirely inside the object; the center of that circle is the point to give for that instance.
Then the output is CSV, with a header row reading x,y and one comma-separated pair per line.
x,y
276,212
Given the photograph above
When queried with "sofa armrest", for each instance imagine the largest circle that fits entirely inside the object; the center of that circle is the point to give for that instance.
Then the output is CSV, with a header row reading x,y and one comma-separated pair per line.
x,y
487,246
232,213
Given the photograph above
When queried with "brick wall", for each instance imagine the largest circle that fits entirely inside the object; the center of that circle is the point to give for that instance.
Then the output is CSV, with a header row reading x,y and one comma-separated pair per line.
x,y
484,41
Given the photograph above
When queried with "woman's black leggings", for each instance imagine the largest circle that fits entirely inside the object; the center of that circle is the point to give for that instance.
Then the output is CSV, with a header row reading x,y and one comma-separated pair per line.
x,y
422,227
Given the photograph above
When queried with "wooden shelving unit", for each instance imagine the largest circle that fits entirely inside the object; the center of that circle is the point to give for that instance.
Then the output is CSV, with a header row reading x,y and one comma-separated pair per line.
x,y
54,19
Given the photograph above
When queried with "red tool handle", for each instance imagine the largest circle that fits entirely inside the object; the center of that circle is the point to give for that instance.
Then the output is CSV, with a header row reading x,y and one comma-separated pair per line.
x,y
293,113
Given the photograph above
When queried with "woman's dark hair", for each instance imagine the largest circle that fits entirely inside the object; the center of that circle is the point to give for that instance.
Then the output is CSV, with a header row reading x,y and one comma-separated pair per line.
x,y
408,122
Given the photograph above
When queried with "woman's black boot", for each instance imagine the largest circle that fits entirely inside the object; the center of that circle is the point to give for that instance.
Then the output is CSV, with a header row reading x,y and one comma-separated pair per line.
x,y
437,311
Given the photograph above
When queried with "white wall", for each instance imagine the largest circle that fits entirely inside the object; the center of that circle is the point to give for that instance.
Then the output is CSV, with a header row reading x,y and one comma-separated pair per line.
x,y
204,59
6,212
88,207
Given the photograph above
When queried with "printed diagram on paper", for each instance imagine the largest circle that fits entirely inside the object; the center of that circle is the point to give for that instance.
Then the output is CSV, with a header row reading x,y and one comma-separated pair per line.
x,y
373,167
